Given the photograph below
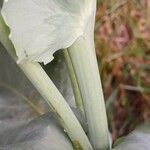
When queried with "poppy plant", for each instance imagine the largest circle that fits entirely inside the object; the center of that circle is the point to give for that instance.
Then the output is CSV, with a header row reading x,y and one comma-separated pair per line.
x,y
40,28
32,31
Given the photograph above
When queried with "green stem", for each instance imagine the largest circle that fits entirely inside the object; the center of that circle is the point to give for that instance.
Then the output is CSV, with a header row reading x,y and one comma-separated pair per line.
x,y
50,93
83,57
4,38
76,90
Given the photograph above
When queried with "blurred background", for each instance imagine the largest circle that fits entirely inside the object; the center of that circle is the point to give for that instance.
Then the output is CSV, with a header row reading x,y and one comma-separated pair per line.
x,y
122,38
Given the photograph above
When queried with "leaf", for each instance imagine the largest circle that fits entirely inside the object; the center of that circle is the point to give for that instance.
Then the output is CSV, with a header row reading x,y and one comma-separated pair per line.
x,y
43,133
15,112
15,108
39,28
12,76
136,140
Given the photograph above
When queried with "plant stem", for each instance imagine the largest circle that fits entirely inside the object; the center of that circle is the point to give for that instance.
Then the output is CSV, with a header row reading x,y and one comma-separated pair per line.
x,y
83,57
4,38
50,93
76,90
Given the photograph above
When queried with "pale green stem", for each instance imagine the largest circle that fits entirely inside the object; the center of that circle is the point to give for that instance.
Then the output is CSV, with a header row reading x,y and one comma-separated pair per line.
x,y
83,57
74,82
50,93
4,32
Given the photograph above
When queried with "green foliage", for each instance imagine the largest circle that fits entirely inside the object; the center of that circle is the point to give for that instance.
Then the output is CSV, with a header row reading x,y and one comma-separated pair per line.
x,y
40,134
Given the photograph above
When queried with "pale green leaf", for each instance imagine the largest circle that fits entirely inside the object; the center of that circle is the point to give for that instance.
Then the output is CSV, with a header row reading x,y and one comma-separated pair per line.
x,y
12,76
39,28
43,133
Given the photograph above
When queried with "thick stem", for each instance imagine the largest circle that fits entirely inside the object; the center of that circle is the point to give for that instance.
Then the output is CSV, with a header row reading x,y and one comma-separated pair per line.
x,y
50,93
83,57
76,90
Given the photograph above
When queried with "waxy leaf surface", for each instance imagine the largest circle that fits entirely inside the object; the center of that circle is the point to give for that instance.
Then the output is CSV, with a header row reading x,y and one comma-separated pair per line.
x,y
39,28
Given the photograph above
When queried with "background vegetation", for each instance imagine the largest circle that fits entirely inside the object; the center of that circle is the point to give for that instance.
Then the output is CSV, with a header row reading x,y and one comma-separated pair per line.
x,y
122,38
